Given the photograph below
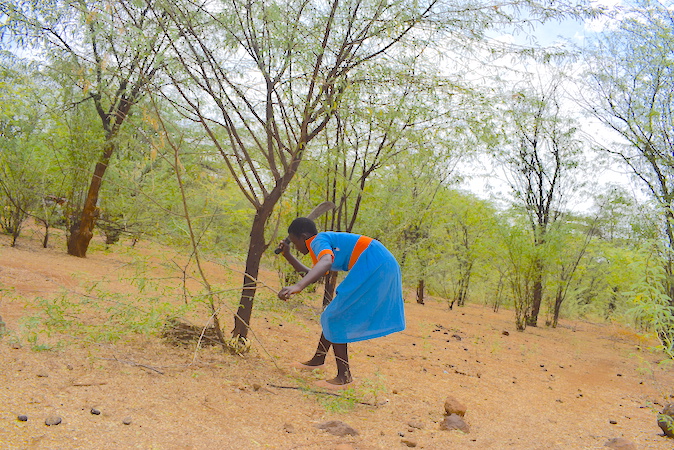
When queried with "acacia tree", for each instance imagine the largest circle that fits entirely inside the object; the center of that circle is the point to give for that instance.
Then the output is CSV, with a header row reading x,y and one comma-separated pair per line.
x,y
20,129
467,224
570,247
631,90
540,159
106,54
273,76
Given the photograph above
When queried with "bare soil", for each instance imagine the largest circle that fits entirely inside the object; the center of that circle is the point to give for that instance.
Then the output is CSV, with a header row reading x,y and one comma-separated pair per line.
x,y
573,387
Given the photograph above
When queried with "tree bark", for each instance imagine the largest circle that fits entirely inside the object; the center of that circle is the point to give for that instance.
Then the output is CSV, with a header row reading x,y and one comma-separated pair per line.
x,y
329,288
537,296
420,292
256,248
82,231
559,298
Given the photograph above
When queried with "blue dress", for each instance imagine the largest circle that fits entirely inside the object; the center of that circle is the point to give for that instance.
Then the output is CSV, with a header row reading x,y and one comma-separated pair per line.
x,y
368,303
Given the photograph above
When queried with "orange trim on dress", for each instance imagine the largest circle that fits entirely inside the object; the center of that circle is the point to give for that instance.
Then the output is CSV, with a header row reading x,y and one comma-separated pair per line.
x,y
325,252
359,248
315,258
311,252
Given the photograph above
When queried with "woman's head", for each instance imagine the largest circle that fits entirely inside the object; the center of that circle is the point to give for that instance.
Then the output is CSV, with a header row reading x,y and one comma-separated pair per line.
x,y
301,226
299,231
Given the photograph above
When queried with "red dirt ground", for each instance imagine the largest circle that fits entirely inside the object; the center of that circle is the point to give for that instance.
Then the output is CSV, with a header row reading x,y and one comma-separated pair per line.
x,y
574,387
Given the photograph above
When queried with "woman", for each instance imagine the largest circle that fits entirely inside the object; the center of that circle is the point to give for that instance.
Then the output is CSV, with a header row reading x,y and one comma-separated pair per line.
x,y
367,304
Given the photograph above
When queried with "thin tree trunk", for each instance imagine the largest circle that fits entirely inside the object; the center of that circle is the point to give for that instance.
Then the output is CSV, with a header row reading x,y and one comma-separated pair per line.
x,y
420,292
464,285
329,288
45,241
256,248
559,298
537,297
497,297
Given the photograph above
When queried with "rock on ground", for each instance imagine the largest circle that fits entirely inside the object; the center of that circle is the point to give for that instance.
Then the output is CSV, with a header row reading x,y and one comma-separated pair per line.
x,y
454,406
620,444
52,420
455,422
337,428
666,420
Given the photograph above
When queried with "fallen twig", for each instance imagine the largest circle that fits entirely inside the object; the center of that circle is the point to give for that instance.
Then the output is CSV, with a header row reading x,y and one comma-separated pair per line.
x,y
314,391
135,364
81,383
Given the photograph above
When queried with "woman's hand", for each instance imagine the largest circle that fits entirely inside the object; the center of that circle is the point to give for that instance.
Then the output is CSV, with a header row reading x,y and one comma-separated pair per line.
x,y
286,292
283,246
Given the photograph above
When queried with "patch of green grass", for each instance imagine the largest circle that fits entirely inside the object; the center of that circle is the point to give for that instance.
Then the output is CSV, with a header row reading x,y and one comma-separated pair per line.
x,y
105,317
368,391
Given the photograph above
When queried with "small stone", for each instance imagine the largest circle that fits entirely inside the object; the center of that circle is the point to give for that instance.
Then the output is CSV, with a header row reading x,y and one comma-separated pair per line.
x,y
22,417
455,422
43,375
620,444
69,366
256,386
127,421
16,345
505,333
454,406
288,428
415,424
666,420
95,412
409,442
613,422
337,428
52,420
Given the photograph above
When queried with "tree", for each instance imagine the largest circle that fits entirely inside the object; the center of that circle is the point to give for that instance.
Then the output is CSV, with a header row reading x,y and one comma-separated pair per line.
x,y
467,223
569,245
630,77
21,122
520,268
274,75
542,151
107,54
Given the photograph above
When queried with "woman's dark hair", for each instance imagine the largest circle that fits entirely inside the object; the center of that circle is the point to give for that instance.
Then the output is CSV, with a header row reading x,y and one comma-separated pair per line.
x,y
302,225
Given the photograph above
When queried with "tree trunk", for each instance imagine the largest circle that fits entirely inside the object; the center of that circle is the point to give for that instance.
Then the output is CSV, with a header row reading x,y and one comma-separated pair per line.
x,y
537,296
256,248
558,306
420,292
45,241
464,285
82,231
329,288
499,292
